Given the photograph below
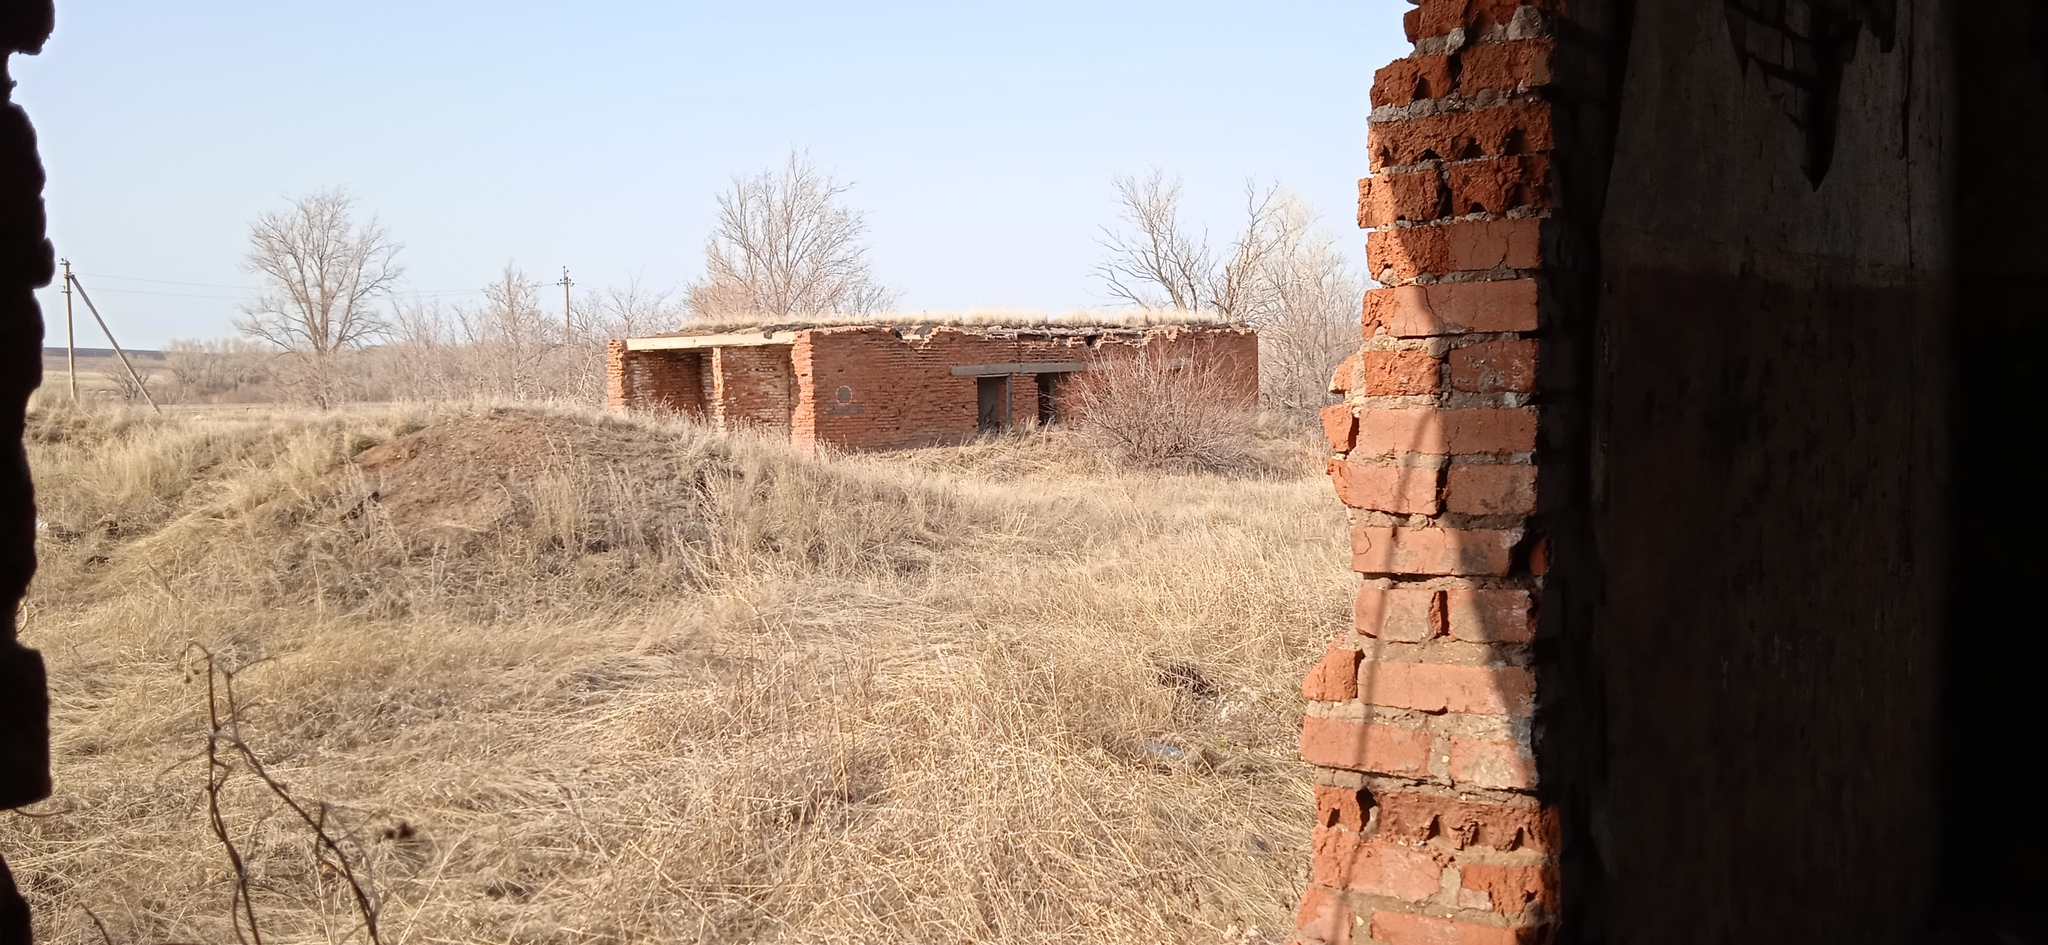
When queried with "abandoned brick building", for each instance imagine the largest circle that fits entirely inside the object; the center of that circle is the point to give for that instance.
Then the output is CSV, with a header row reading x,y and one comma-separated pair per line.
x,y
1690,459
909,383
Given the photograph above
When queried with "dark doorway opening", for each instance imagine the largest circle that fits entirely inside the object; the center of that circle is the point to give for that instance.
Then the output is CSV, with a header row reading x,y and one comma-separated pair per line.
x,y
992,395
1048,399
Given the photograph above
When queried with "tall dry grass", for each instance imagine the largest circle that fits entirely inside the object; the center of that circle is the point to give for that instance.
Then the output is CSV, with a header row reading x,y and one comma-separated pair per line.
x,y
658,684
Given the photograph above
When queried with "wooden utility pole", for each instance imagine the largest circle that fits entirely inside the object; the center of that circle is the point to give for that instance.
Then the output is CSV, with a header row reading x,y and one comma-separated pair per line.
x,y
70,342
567,328
72,280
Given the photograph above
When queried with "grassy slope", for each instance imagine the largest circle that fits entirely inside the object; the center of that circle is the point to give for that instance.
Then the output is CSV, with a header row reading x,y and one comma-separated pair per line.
x,y
665,686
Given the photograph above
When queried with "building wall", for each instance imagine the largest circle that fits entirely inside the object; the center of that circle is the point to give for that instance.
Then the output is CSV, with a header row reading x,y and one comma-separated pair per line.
x,y
656,380
752,386
1653,406
1772,387
868,388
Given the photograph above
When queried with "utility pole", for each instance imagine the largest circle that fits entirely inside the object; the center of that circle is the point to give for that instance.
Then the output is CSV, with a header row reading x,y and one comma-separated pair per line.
x,y
123,355
567,329
70,343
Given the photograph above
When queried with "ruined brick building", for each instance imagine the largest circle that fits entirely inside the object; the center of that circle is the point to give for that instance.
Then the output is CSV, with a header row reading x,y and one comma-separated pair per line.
x,y
1694,533
902,383
1699,556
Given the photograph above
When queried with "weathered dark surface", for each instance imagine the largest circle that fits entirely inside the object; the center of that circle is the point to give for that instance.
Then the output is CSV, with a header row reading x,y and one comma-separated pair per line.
x,y
1769,470
25,264
1997,643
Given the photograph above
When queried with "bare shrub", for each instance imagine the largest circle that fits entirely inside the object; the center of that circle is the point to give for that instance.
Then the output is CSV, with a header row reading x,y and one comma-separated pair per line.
x,y
1154,408
322,274
508,348
784,245
217,368
131,389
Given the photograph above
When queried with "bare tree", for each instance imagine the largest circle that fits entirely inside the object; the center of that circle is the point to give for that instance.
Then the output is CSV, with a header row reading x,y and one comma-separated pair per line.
x,y
785,246
322,274
627,311
1281,275
1158,262
215,367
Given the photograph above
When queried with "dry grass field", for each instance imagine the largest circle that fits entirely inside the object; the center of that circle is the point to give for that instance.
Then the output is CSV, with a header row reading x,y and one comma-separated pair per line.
x,y
565,677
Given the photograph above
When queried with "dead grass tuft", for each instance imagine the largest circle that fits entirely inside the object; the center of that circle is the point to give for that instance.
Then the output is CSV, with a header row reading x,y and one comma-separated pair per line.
x,y
576,678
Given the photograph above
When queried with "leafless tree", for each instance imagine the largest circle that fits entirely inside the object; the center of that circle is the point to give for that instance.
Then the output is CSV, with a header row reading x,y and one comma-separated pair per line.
x,y
627,311
508,336
784,245
216,367
1157,261
1280,274
322,277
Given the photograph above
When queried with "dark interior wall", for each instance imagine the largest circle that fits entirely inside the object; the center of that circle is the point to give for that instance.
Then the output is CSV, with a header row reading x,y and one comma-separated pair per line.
x,y
1768,468
1995,719
25,263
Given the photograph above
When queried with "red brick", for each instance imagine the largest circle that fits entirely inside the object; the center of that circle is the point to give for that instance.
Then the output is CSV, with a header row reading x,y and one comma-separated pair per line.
x,y
1407,80
1495,366
1405,489
1510,889
1462,822
1492,763
1490,616
1379,549
1341,807
1490,490
1377,868
1415,196
1460,136
1402,928
1340,427
1497,185
1440,432
1437,17
1345,377
1399,614
1395,373
1436,687
1325,918
1361,746
1505,67
1477,245
1335,679
1452,308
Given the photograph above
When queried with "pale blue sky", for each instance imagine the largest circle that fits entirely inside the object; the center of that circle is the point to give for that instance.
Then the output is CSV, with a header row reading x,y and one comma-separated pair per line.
x,y
982,139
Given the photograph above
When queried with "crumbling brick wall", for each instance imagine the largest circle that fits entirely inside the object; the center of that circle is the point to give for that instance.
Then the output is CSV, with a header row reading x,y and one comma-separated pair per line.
x,y
1644,453
1429,825
655,380
751,386
874,388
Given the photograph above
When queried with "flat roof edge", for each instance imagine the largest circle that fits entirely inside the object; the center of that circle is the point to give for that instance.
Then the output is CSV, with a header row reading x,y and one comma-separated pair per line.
x,y
729,340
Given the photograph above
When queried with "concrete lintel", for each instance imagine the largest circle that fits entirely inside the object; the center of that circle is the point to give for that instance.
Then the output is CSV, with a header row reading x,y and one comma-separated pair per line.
x,y
729,340
1023,367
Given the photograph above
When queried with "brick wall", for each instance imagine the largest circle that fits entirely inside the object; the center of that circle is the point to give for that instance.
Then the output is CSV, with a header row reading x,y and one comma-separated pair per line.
x,y
1429,823
656,380
752,386
869,388
1644,451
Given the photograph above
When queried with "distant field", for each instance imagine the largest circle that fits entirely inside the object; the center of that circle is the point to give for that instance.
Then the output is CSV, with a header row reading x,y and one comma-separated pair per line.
x,y
568,677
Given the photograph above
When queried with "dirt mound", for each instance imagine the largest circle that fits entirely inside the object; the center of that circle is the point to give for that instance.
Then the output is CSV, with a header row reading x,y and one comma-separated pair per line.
x,y
474,472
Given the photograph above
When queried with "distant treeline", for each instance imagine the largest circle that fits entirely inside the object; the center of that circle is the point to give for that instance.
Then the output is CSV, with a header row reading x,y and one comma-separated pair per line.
x,y
138,353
